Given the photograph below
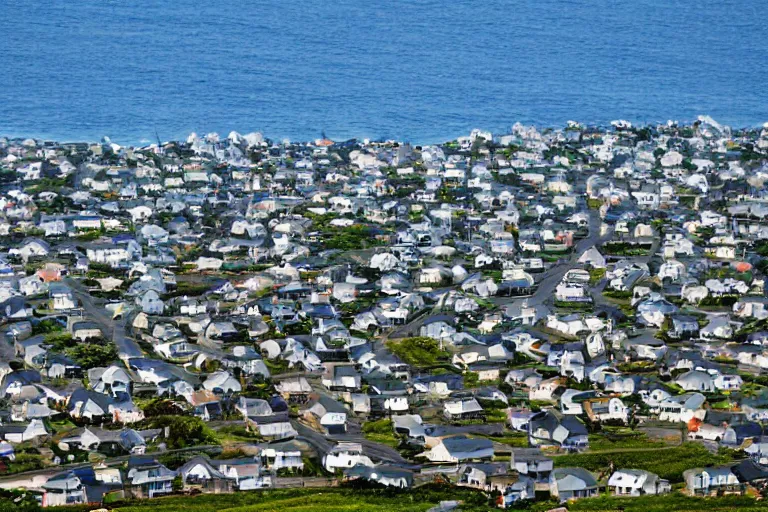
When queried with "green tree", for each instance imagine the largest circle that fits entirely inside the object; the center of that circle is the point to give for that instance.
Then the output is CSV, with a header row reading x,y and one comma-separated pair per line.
x,y
92,355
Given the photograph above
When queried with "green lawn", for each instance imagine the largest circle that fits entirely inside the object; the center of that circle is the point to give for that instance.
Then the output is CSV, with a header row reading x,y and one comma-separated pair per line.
x,y
668,503
306,500
668,463
621,438
419,351
514,439
381,431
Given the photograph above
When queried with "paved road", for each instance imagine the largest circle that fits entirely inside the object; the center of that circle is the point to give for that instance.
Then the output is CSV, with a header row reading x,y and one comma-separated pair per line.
x,y
126,347
322,443
7,350
545,288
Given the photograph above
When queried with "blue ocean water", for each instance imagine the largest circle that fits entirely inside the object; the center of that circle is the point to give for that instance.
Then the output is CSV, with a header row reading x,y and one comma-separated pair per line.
x,y
417,70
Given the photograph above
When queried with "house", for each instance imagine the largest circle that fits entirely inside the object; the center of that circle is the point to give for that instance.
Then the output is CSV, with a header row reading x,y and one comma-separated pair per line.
x,y
222,383
606,409
546,390
147,478
592,258
199,474
86,330
151,303
295,390
549,429
259,415
23,432
328,413
90,405
341,377
728,382
31,249
113,381
712,481
386,475
683,327
74,487
751,474
636,482
462,409
572,483
15,308
479,474
737,434
682,408
282,455
695,380
531,462
108,254
344,456
62,298
460,449
205,403
110,442
32,285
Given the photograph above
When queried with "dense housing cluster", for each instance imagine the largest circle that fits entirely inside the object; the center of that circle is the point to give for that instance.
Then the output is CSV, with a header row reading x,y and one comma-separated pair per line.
x,y
570,312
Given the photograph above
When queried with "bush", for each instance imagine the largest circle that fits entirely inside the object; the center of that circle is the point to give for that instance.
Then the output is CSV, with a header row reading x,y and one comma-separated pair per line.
x,y
183,431
667,463
92,355
160,407
419,351
60,341
46,327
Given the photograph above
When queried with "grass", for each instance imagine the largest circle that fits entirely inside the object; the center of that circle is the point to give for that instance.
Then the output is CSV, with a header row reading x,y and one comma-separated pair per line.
x,y
381,431
236,433
329,499
574,305
622,438
26,462
665,503
368,500
618,248
668,463
594,203
618,294
637,367
419,351
514,439
596,275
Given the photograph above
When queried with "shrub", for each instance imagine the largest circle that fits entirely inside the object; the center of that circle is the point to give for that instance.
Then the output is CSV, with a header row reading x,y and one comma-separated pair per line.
x,y
419,351
667,463
183,431
92,355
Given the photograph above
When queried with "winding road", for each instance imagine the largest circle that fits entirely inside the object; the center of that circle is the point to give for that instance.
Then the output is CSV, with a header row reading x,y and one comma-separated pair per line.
x,y
127,348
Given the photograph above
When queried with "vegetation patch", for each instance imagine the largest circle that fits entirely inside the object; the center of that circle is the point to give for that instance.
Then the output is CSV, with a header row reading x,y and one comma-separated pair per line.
x,y
668,463
419,351
381,431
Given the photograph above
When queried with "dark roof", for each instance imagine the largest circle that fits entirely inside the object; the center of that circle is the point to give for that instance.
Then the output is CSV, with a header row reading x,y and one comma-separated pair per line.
x,y
748,471
466,444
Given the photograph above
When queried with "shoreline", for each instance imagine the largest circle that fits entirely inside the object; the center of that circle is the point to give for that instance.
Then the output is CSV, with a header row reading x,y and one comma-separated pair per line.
x,y
428,141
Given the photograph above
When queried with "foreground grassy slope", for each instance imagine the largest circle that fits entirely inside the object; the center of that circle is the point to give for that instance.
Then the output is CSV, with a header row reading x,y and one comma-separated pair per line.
x,y
668,463
421,499
305,500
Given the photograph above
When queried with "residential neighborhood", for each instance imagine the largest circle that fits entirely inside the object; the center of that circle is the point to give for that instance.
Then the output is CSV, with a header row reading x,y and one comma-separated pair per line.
x,y
545,315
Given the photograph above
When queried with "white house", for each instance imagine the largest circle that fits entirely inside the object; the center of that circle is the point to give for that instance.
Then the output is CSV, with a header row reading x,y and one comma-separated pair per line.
x,y
636,482
345,456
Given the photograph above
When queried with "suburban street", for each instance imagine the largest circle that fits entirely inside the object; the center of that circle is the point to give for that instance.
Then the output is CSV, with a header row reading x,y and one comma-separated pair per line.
x,y
127,348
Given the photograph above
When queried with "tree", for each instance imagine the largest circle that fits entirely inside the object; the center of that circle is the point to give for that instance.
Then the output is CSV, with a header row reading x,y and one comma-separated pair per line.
x,y
184,431
92,355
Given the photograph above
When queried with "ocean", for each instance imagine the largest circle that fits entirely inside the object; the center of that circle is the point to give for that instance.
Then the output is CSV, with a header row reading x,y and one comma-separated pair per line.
x,y
422,71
